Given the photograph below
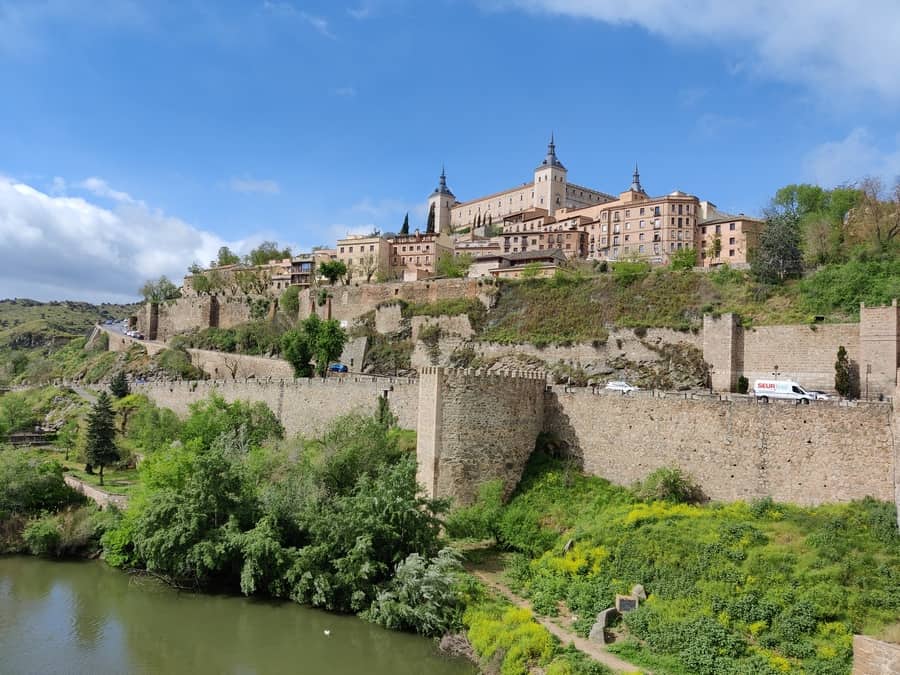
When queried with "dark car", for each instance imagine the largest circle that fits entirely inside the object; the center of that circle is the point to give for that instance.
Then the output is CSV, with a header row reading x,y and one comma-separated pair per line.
x,y
337,368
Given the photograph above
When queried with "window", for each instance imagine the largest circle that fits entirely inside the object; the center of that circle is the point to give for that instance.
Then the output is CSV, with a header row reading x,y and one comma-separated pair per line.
x,y
350,250
703,230
673,221
679,221
627,226
641,248
627,212
627,237
642,223
680,206
731,241
642,211
731,252
656,211
718,229
641,237
731,226
371,247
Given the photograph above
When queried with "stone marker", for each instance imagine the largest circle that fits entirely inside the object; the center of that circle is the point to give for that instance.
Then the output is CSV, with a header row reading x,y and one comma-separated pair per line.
x,y
626,603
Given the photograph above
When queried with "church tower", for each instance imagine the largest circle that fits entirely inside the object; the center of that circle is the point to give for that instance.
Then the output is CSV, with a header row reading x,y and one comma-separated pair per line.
x,y
442,199
550,182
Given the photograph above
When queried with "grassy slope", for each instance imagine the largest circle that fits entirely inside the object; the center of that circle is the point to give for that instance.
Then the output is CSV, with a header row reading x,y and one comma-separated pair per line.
x,y
579,308
760,588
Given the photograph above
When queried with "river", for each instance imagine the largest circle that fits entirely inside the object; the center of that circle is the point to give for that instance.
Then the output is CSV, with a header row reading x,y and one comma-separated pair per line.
x,y
85,617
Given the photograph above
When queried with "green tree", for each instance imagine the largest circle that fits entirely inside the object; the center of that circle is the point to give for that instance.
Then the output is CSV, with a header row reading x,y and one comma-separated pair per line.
x,y
333,270
266,252
290,301
383,415
717,247
842,374
118,385
101,448
778,256
15,412
404,229
455,267
686,258
296,350
226,257
531,270
160,290
328,345
429,226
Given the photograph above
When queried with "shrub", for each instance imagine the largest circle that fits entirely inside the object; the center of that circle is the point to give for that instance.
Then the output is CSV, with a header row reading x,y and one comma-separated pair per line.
x,y
671,485
42,536
482,519
743,385
30,484
421,597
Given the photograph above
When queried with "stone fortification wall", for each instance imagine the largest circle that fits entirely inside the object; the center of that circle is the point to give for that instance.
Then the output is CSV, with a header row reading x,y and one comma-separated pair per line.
x,y
221,365
475,427
303,406
805,354
349,302
736,449
873,657
194,312
119,342
449,325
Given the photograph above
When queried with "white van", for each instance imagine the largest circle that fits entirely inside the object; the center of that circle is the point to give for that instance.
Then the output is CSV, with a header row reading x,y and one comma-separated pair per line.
x,y
786,389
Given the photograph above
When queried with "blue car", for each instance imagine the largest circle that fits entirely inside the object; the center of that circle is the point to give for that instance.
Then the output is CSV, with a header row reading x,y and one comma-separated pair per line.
x,y
337,368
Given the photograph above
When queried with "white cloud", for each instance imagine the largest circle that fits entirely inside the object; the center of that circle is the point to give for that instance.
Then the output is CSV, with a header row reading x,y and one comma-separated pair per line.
x,y
58,247
830,45
319,23
101,188
246,184
344,92
852,158
360,13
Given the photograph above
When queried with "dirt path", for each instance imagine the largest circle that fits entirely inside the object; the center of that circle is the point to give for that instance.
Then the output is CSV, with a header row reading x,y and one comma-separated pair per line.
x,y
592,649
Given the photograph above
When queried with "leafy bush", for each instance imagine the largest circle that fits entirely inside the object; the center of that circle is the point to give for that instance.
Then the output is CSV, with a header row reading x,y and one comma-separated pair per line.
x,y
30,483
42,536
422,596
671,485
844,287
176,363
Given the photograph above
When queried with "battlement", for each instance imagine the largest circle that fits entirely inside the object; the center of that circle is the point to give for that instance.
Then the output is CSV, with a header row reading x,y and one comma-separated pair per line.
x,y
483,375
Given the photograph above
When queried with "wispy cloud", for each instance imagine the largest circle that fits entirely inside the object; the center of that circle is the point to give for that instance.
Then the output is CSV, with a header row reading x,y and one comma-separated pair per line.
x,y
246,184
100,188
854,157
829,46
361,12
344,92
318,23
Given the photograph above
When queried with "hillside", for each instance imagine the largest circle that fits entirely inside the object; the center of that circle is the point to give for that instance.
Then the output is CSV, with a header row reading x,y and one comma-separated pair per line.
x,y
575,306
32,331
27,324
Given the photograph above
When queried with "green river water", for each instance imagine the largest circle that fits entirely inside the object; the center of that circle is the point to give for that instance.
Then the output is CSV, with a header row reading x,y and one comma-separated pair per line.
x,y
84,617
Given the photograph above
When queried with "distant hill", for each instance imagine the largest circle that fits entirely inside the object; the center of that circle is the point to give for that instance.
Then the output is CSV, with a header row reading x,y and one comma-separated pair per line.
x,y
29,324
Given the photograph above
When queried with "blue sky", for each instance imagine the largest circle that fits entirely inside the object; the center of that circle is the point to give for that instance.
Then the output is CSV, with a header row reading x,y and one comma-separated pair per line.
x,y
136,137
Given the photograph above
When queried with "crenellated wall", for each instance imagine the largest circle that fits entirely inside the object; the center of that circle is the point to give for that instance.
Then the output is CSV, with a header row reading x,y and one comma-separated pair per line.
x,y
735,449
304,406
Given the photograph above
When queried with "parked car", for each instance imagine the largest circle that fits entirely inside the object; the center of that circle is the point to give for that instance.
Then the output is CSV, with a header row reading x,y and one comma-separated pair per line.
x,y
783,389
624,387
338,368
819,395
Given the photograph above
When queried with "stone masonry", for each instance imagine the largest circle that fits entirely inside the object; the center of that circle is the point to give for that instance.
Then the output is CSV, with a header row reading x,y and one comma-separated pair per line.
x,y
475,427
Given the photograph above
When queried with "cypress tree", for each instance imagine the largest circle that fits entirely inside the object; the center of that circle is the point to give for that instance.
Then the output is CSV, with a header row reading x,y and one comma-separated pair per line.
x,y
404,229
429,228
842,381
118,385
101,435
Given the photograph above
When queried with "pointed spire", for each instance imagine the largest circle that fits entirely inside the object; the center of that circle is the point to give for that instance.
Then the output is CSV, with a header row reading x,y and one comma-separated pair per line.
x,y
551,158
442,188
636,180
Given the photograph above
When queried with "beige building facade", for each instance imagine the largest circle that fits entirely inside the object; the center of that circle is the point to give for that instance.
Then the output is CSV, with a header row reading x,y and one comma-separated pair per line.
x,y
367,257
414,256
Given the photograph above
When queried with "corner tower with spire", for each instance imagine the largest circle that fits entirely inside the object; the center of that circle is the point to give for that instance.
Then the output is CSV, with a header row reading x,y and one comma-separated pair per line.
x,y
550,180
443,200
